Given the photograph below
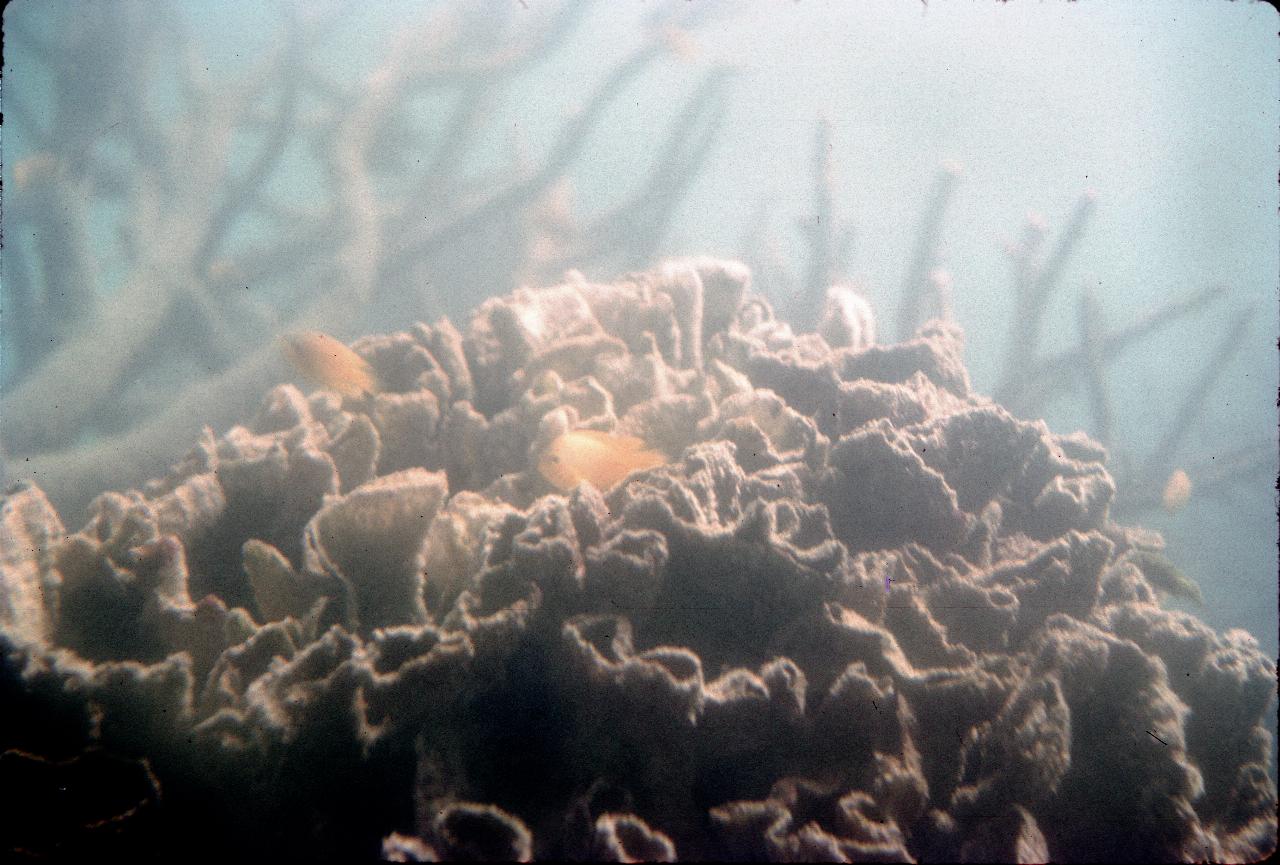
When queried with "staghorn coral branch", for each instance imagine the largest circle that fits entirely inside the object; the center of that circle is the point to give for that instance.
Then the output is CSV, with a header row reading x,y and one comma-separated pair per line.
x,y
298,254
471,106
217,400
693,135
1197,398
243,192
476,89
940,295
1219,475
81,373
294,253
1059,372
924,257
359,243
446,65
55,211
1034,283
1092,328
52,404
844,248
196,297
135,337
1026,253
521,193
48,408
630,234
1051,273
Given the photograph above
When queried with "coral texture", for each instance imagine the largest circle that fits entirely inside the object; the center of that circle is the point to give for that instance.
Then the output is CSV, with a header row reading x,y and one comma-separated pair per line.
x,y
860,612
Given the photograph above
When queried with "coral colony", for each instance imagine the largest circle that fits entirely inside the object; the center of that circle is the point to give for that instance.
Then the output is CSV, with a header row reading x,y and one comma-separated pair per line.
x,y
779,595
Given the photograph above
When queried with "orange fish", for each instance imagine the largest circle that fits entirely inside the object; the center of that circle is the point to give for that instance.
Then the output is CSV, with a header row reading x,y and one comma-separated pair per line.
x,y
599,457
329,363
1176,491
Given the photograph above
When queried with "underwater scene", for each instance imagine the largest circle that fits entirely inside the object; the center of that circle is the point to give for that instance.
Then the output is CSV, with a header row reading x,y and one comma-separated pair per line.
x,y
649,430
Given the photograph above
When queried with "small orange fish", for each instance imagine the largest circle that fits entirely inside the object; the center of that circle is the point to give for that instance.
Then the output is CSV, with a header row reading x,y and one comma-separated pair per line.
x,y
329,363
599,457
1177,490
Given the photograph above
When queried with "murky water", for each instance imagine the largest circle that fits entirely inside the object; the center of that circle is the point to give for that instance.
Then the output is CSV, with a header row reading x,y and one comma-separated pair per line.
x,y
843,524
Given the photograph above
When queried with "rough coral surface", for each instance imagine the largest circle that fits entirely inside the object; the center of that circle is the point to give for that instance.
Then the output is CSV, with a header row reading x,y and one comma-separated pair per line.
x,y
860,613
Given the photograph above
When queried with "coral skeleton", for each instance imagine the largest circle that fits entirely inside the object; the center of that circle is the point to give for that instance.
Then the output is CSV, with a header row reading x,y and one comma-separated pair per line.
x,y
858,611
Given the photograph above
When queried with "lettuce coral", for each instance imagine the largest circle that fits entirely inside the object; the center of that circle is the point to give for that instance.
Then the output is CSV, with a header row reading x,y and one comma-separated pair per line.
x,y
860,612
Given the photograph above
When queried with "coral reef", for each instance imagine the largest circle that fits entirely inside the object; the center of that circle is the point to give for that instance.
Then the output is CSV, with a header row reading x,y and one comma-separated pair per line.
x,y
171,213
1033,377
286,192
860,612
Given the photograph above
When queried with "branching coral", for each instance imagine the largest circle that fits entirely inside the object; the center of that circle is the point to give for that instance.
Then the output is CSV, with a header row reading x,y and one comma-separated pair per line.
x,y
1030,378
126,347
861,612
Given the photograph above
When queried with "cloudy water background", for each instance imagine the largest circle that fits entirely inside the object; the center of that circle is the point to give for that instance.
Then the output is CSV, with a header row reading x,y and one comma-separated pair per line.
x,y
1167,111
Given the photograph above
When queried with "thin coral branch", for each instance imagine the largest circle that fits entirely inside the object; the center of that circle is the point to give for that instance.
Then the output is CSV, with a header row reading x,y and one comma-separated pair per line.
x,y
1051,273
243,191
292,253
1025,254
299,248
53,210
1034,284
441,67
843,254
442,172
693,135
1218,476
85,370
1092,329
939,299
924,257
358,246
520,194
476,90
630,234
1058,373
1197,400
